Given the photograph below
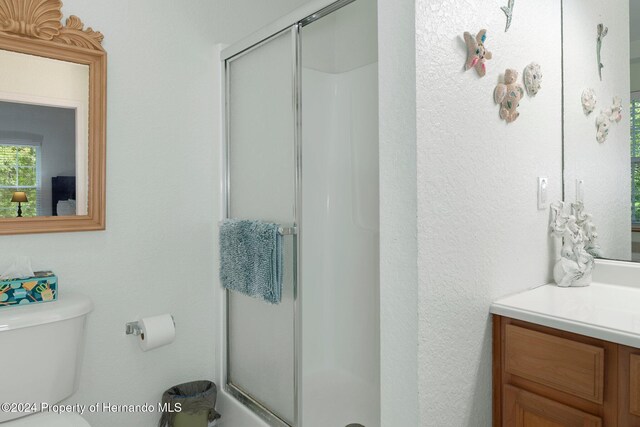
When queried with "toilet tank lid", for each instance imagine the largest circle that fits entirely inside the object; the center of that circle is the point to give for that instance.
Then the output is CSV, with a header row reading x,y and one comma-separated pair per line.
x,y
67,306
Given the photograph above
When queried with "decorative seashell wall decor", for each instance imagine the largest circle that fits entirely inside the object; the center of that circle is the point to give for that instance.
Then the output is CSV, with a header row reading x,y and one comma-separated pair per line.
x,y
533,78
606,118
602,32
616,110
508,11
589,101
603,124
508,95
477,54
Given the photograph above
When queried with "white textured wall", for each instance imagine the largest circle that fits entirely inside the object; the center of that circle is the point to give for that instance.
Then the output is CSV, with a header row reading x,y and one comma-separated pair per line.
x,y
156,253
604,167
480,235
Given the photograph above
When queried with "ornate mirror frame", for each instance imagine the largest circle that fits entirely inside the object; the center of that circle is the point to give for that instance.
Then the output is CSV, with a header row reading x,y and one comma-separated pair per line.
x,y
34,27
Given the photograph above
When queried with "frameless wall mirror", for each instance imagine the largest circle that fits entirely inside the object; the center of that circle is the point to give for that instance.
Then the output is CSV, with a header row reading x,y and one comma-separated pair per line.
x,y
52,120
601,53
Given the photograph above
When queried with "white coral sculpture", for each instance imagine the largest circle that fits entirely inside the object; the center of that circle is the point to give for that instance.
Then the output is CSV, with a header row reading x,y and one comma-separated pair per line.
x,y
579,247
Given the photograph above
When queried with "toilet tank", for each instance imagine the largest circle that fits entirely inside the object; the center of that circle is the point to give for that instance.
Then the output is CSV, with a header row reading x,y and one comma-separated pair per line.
x,y
41,347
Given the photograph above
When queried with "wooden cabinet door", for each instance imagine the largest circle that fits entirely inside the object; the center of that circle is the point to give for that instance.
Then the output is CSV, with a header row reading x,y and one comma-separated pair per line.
x,y
524,409
629,386
562,364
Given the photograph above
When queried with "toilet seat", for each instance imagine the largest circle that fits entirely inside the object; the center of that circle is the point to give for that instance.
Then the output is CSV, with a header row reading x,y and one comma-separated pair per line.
x,y
48,419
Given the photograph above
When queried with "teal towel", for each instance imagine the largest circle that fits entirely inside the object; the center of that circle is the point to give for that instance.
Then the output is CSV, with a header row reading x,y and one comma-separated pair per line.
x,y
251,258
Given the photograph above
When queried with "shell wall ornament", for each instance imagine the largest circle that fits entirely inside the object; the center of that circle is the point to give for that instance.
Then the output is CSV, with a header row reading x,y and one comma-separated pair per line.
x,y
606,118
508,95
533,78
579,244
603,124
589,101
477,54
602,32
616,110
508,10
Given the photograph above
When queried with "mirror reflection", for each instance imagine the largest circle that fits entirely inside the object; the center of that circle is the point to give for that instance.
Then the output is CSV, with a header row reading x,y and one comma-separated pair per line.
x,y
634,26
600,156
43,136
37,159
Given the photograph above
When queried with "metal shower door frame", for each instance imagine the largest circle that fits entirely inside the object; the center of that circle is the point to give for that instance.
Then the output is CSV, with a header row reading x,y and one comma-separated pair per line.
x,y
227,56
241,395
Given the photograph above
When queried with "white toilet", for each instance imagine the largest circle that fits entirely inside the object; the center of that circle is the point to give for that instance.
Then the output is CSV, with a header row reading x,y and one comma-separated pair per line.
x,y
42,346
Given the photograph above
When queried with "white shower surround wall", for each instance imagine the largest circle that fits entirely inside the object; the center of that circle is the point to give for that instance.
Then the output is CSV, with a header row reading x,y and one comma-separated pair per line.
x,y
480,235
340,256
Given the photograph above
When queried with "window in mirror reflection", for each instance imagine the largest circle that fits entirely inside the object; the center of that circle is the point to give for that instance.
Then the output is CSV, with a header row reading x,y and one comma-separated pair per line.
x,y
635,159
19,171
38,157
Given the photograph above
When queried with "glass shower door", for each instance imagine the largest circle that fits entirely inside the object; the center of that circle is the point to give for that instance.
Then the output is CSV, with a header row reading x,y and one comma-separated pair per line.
x,y
261,176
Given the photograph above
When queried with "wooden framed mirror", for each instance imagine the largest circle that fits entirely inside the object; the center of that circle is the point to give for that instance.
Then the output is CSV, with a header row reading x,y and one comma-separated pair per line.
x,y
52,120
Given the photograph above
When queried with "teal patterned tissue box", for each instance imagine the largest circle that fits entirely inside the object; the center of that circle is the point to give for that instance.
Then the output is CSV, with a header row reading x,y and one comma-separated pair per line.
x,y
42,287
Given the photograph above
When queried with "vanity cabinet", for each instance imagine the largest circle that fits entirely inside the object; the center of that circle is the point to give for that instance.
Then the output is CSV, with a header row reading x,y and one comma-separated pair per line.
x,y
524,409
629,386
546,377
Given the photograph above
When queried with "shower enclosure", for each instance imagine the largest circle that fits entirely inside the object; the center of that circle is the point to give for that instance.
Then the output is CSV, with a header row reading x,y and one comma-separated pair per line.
x,y
301,134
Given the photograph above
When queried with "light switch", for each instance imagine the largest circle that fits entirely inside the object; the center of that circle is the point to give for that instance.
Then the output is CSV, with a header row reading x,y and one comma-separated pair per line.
x,y
579,190
543,192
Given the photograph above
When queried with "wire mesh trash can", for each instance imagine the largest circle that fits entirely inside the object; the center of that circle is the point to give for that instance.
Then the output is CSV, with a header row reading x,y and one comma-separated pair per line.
x,y
191,404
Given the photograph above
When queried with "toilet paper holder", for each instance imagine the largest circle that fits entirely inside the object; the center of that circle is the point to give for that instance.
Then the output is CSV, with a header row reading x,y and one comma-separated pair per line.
x,y
134,328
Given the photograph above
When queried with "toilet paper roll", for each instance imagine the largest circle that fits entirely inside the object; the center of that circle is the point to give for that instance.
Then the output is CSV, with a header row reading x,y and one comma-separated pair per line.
x,y
156,331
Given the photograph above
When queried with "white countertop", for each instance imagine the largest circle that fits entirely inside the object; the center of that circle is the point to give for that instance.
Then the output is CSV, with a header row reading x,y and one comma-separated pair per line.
x,y
605,311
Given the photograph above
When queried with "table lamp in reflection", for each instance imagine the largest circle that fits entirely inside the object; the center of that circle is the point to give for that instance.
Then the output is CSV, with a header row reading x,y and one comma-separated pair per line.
x,y
19,197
